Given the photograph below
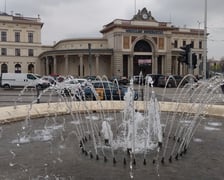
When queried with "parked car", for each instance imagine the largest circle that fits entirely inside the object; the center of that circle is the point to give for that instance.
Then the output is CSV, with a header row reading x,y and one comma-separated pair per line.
x,y
155,78
83,81
120,80
138,79
69,87
106,90
90,78
50,79
170,81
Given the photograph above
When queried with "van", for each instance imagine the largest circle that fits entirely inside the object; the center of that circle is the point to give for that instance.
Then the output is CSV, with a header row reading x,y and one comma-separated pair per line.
x,y
16,80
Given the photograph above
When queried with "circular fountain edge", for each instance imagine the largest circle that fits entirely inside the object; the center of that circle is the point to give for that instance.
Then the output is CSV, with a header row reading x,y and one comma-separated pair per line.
x,y
19,113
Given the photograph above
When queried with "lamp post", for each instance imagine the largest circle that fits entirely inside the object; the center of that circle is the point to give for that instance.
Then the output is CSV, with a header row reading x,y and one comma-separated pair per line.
x,y
205,43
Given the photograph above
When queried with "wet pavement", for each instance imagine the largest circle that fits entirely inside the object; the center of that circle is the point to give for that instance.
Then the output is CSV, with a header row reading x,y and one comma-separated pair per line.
x,y
51,151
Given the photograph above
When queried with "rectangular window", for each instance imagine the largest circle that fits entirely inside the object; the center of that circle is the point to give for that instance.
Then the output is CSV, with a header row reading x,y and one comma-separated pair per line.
x,y
200,56
30,37
17,36
192,42
30,52
3,51
3,36
184,43
175,44
126,42
17,52
200,44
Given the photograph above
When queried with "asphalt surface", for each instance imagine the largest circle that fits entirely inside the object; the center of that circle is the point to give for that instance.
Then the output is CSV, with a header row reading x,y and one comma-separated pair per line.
x,y
51,151
11,97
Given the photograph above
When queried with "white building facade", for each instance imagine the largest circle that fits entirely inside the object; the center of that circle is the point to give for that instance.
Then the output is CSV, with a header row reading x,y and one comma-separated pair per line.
x,y
20,43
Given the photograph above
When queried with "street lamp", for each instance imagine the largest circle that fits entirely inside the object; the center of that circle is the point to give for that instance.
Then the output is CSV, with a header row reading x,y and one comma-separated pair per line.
x,y
205,43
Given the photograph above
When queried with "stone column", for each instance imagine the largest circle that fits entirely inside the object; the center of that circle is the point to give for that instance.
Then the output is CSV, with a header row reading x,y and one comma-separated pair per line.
x,y
155,64
168,55
55,64
112,66
81,65
42,66
168,63
97,64
118,64
66,64
130,65
47,66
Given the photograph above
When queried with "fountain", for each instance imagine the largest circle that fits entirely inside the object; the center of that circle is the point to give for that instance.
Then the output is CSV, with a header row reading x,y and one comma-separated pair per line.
x,y
123,139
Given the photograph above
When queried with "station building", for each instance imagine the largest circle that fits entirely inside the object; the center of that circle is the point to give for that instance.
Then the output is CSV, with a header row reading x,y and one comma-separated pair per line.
x,y
127,47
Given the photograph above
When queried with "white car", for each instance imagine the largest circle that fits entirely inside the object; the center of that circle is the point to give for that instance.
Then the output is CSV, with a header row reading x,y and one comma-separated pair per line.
x,y
69,87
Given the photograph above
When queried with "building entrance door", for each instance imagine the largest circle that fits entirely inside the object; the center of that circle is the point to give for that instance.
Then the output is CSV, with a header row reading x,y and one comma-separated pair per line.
x,y
142,63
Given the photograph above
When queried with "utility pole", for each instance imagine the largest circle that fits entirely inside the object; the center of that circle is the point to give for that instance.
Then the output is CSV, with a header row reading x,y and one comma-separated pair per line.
x,y
205,44
5,6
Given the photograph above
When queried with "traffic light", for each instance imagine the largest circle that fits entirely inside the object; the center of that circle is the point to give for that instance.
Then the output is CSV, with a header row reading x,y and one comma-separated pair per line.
x,y
185,53
194,60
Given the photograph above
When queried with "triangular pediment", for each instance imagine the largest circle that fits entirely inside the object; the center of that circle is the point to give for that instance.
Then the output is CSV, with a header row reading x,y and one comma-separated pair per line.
x,y
144,15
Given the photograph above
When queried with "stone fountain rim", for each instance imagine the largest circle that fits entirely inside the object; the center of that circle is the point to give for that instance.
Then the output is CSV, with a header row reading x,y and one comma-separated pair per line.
x,y
11,114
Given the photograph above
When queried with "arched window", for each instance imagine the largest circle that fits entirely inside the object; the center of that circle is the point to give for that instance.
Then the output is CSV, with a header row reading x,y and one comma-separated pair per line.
x,y
4,68
17,68
30,68
142,46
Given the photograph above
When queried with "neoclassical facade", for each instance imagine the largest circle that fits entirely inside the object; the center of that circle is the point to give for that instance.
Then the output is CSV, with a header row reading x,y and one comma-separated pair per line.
x,y
20,43
127,47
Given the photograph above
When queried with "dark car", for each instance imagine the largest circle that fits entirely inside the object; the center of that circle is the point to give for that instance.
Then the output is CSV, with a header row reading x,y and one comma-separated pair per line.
x,y
120,80
106,90
222,88
138,79
170,81
91,78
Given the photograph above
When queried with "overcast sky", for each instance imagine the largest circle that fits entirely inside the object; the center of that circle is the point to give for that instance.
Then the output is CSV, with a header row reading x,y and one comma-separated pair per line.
x,y
85,18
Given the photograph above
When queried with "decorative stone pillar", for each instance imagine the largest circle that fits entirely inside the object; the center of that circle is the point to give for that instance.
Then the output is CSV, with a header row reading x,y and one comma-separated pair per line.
x,y
47,66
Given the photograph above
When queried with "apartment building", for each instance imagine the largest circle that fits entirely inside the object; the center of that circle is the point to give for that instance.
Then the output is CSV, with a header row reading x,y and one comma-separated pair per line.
x,y
20,43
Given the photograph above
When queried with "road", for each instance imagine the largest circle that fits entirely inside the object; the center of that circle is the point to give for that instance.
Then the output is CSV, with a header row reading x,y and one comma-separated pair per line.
x,y
11,97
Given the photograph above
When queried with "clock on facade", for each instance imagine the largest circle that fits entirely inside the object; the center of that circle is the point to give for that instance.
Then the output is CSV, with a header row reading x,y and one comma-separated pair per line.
x,y
144,16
